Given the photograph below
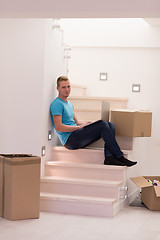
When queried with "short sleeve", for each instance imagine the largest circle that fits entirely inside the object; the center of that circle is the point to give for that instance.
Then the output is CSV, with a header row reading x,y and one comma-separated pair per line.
x,y
56,108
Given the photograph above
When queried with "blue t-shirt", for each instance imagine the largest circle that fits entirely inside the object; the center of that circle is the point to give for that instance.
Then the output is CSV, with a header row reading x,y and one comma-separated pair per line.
x,y
66,110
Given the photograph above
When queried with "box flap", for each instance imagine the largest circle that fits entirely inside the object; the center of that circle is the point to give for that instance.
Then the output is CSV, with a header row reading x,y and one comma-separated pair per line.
x,y
123,110
157,190
19,159
141,182
129,110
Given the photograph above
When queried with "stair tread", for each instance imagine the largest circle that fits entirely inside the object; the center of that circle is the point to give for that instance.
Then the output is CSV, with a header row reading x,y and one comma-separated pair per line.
x,y
87,109
98,98
77,198
80,181
98,150
84,165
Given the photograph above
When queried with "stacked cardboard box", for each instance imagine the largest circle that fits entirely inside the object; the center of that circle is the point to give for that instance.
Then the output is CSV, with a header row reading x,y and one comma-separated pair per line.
x,y
150,194
132,123
19,186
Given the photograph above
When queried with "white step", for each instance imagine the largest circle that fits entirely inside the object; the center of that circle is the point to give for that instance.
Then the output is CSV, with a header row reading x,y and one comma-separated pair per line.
x,y
96,102
79,183
84,170
80,187
86,206
94,156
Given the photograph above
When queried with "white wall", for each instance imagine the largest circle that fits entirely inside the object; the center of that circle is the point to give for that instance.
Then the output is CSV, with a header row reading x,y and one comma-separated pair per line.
x,y
21,84
55,65
31,59
127,60
124,66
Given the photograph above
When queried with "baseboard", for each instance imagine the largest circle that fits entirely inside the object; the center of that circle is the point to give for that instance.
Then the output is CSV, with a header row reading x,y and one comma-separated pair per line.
x,y
133,195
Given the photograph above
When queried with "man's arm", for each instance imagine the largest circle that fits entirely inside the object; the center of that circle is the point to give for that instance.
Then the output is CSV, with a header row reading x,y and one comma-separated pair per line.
x,y
77,122
60,127
81,123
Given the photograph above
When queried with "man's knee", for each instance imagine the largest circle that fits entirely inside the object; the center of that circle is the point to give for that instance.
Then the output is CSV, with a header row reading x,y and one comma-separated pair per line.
x,y
111,124
104,123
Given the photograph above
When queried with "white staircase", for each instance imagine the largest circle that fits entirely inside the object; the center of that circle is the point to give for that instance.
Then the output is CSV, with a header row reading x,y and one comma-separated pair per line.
x,y
77,181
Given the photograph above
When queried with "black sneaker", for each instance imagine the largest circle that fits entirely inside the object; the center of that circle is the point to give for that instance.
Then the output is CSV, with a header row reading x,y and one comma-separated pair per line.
x,y
126,162
110,160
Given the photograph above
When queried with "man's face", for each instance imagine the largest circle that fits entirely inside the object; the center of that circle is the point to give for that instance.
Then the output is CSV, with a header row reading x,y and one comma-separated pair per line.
x,y
64,89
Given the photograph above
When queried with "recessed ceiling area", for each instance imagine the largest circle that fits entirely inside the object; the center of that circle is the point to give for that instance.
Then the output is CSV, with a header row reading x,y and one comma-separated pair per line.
x,y
110,32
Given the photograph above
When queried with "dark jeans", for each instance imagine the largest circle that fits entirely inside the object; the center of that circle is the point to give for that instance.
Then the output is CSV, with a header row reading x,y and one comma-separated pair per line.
x,y
93,132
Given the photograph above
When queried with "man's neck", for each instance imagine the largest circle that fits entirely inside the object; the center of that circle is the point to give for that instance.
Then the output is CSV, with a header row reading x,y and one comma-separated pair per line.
x,y
64,99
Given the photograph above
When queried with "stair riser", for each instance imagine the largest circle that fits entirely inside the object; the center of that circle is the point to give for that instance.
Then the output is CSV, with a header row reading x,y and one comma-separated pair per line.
x,y
81,156
77,208
78,156
88,115
86,103
80,189
86,173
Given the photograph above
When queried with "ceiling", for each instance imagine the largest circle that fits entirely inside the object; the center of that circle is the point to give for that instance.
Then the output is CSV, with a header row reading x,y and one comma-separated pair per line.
x,y
80,8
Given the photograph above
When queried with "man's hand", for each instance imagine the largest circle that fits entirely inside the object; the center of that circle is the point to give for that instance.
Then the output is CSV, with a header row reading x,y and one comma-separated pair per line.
x,y
84,124
89,122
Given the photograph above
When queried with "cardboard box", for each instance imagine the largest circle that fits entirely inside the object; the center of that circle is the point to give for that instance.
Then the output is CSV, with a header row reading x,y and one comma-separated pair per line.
x,y
132,123
20,186
150,195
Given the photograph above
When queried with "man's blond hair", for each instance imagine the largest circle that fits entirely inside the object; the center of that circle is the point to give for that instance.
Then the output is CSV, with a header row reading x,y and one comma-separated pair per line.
x,y
61,79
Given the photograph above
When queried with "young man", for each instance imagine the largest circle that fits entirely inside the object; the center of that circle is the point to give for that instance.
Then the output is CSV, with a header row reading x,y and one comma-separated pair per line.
x,y
74,134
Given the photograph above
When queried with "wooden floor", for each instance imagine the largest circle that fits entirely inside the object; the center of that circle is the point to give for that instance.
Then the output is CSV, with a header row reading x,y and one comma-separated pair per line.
x,y
132,223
